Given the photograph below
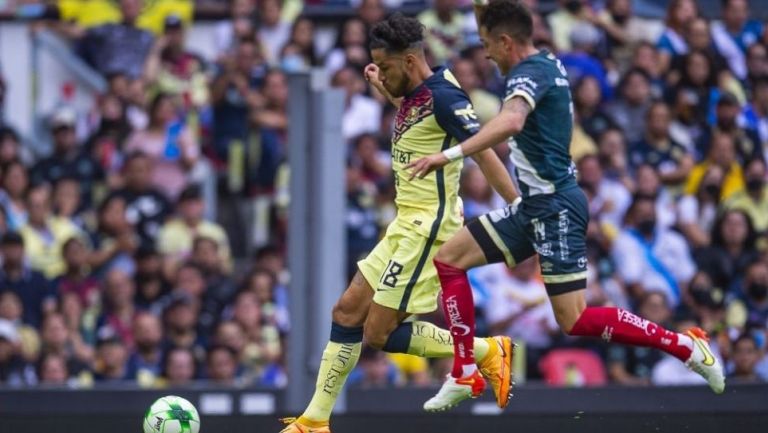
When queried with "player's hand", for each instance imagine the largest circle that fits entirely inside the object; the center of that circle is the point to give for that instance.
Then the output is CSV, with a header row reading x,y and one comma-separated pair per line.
x,y
371,73
426,165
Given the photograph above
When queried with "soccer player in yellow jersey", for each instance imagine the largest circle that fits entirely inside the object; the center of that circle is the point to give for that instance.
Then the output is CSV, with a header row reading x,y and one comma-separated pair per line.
x,y
398,278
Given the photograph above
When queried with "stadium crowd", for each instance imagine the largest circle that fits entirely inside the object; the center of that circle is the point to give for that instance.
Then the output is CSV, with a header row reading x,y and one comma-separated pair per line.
x,y
123,249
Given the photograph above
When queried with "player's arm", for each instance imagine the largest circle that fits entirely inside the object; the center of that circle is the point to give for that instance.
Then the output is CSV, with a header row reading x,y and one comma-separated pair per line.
x,y
497,174
507,123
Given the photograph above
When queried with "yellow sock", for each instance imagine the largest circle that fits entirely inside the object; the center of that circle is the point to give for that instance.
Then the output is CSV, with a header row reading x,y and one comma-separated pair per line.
x,y
429,341
338,361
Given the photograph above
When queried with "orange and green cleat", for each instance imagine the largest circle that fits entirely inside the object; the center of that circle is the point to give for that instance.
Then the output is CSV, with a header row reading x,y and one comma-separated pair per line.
x,y
496,368
293,425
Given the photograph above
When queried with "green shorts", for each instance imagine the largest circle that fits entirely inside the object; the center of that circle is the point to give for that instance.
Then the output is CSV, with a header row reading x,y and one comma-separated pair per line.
x,y
552,225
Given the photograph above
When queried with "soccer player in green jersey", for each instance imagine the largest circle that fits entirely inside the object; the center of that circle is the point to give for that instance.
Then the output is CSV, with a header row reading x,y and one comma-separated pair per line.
x,y
550,219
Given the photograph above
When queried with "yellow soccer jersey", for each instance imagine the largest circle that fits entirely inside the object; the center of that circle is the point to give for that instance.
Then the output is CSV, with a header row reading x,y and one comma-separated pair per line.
x,y
433,117
92,13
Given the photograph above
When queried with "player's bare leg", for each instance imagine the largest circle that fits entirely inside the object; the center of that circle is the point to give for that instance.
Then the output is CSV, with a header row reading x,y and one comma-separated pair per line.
x,y
621,326
339,358
453,259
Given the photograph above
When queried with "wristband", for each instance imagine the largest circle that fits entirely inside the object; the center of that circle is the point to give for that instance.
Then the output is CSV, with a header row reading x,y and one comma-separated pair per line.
x,y
480,2
515,203
454,153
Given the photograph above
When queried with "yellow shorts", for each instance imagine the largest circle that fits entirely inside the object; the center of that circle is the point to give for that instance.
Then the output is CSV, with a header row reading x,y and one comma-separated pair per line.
x,y
401,272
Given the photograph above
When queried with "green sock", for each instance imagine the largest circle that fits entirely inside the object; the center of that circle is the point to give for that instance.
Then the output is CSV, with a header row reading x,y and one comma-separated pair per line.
x,y
429,341
338,361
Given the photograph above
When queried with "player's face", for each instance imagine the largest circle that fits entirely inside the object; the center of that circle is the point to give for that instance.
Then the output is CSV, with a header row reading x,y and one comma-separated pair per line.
x,y
393,71
496,49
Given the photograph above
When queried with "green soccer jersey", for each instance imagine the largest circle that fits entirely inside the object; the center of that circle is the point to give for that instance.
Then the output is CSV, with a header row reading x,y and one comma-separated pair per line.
x,y
540,151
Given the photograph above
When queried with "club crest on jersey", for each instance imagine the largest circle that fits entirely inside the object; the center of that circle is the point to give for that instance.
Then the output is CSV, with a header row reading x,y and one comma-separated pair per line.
x,y
413,110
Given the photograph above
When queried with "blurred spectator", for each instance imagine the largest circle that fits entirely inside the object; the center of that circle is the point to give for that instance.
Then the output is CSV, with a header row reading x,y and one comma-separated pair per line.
x,y
374,370
109,126
68,159
235,94
66,202
180,320
587,99
612,154
53,371
175,239
648,184
632,365
219,286
170,144
262,339
727,112
444,34
77,278
658,149
111,359
56,339
239,25
645,57
118,47
272,123
608,199
150,17
696,213
370,11
735,33
15,182
361,222
707,302
750,306
580,61
14,371
11,310
273,310
222,366
172,70
145,361
114,240
303,40
649,257
694,93
146,207
518,307
623,29
44,234
754,116
753,200
732,250
628,110
745,356
274,31
361,113
699,38
757,62
10,145
672,43
722,153
351,47
479,198
564,20
30,286
178,368
119,310
150,285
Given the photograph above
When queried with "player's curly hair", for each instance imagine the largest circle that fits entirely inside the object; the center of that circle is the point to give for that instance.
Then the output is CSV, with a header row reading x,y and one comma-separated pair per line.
x,y
510,17
397,33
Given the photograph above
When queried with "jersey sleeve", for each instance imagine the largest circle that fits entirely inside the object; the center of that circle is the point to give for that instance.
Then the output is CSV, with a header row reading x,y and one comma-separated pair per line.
x,y
455,114
528,82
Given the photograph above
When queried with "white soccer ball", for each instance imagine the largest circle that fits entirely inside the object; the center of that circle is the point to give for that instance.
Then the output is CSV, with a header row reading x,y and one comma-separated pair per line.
x,y
171,414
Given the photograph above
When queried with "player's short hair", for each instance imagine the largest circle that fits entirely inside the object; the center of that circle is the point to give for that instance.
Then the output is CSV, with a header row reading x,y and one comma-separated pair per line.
x,y
510,17
397,33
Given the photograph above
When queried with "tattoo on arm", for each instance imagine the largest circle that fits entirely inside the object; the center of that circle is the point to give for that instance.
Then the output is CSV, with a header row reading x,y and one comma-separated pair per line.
x,y
519,106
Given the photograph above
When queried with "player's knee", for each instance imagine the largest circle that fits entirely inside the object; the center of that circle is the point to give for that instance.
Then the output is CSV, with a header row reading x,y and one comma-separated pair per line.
x,y
446,255
375,337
